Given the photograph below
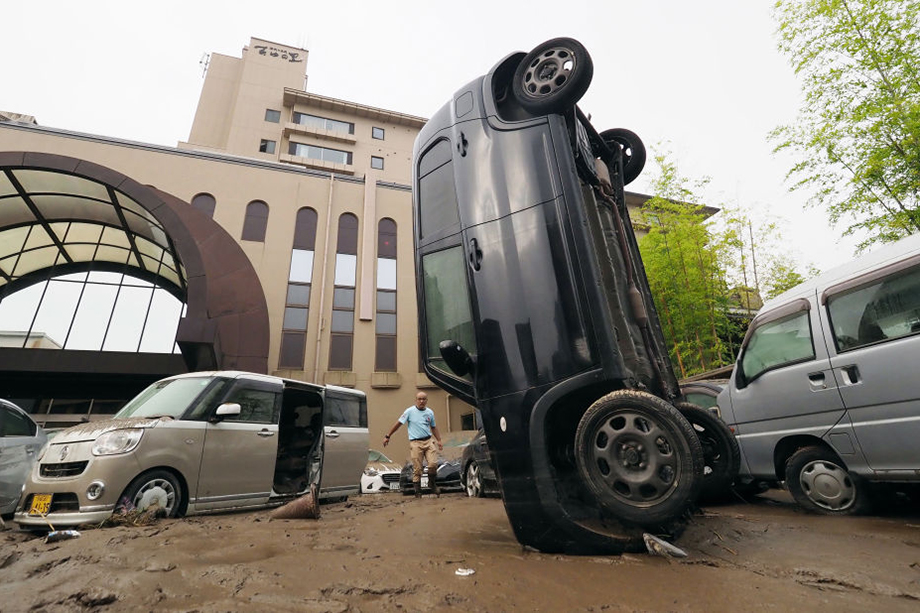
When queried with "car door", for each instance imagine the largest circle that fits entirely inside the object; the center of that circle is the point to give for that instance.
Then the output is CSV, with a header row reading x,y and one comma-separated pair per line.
x,y
20,441
875,327
238,458
347,442
782,384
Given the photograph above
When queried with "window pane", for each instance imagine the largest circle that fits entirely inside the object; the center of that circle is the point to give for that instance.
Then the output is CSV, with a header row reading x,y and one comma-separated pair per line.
x,y
305,229
292,346
15,424
128,319
377,133
301,266
340,352
345,269
298,295
778,343
889,308
256,221
162,323
386,323
386,301
343,321
386,238
385,360
92,317
258,406
386,273
437,196
204,203
343,298
447,303
295,318
272,115
266,146
376,162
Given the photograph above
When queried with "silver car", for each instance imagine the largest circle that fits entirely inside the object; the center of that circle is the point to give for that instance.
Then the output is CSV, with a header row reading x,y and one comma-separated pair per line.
x,y
20,441
190,444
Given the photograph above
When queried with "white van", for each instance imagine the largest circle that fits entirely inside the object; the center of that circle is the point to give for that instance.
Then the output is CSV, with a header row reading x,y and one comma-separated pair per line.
x,y
825,394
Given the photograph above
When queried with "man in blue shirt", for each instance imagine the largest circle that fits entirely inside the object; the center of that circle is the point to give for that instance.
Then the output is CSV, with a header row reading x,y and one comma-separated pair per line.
x,y
420,424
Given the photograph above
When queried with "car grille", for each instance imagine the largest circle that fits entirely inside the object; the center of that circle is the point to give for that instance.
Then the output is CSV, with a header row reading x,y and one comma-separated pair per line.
x,y
64,469
59,503
389,478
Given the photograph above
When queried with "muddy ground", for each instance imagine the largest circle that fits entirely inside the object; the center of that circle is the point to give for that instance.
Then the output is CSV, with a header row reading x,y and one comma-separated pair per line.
x,y
387,552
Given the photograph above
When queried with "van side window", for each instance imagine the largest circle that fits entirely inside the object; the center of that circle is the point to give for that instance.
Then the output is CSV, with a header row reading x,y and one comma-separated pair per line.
x,y
778,343
12,423
888,308
348,411
437,197
447,304
256,405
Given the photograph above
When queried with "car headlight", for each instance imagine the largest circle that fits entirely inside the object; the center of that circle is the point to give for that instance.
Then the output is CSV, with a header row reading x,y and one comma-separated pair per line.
x,y
117,441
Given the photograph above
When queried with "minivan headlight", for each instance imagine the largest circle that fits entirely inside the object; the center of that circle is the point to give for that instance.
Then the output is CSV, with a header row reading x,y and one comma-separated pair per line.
x,y
117,441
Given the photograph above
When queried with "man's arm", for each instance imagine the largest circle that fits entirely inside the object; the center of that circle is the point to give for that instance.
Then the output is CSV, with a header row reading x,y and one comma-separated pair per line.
x,y
386,438
437,435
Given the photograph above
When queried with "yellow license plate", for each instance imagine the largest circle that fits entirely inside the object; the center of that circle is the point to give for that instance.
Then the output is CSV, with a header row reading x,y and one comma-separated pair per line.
x,y
41,504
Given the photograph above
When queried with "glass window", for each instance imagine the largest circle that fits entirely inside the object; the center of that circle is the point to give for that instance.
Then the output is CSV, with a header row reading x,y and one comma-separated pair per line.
x,y
305,229
348,235
266,146
386,273
886,309
14,423
778,343
345,269
386,301
343,298
256,406
320,153
378,133
385,357
342,410
292,349
204,203
376,162
255,222
301,266
272,115
343,321
386,238
340,352
298,294
386,323
447,303
324,123
437,196
295,318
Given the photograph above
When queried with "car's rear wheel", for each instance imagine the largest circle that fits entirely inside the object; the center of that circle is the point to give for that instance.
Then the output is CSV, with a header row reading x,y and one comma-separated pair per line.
x,y
820,482
639,457
156,487
553,77
721,455
473,480
633,151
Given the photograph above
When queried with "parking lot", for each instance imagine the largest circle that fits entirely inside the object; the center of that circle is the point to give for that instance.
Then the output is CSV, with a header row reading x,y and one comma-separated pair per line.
x,y
389,552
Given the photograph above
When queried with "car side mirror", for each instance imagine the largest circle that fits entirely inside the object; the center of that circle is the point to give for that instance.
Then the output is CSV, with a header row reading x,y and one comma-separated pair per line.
x,y
457,358
227,409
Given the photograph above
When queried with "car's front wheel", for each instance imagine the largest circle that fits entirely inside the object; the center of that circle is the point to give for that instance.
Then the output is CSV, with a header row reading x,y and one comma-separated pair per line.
x,y
473,480
156,487
553,77
820,482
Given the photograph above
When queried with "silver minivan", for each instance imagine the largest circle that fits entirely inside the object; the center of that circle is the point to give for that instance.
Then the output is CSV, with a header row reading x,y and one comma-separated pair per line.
x,y
825,393
196,443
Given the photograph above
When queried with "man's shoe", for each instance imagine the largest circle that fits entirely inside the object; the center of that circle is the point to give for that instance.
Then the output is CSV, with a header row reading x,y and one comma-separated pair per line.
x,y
434,486
418,489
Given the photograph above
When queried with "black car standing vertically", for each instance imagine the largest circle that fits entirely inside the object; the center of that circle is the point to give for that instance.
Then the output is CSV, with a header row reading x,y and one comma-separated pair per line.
x,y
535,308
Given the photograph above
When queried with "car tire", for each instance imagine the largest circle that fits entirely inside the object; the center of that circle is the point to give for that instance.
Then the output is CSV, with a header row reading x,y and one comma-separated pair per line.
x,y
633,150
819,482
553,77
721,455
473,480
156,485
639,457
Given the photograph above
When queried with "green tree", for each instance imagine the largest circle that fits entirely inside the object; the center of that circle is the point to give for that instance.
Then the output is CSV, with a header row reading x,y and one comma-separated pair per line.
x,y
857,138
682,261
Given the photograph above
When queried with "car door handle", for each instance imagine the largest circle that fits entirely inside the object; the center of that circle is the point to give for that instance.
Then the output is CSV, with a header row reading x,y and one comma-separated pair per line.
x,y
332,434
817,380
266,432
850,374
475,254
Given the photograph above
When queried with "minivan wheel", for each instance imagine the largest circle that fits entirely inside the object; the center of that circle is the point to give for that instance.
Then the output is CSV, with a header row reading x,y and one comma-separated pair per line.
x,y
158,487
819,482
721,455
473,480
633,151
639,457
553,77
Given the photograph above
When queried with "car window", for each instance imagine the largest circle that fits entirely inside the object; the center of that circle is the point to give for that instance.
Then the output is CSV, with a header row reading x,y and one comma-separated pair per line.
x,y
437,197
886,309
256,405
778,343
345,410
14,423
447,304
701,400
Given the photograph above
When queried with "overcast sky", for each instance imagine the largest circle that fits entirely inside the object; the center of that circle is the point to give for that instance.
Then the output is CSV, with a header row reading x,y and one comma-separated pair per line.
x,y
704,78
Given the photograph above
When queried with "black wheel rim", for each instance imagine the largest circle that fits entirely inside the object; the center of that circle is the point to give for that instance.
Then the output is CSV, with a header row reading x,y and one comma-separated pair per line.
x,y
634,458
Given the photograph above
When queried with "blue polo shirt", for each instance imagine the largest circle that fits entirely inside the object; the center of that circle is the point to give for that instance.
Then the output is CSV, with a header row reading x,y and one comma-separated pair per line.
x,y
419,423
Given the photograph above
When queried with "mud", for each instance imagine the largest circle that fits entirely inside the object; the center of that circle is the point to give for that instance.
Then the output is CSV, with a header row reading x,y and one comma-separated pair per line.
x,y
386,552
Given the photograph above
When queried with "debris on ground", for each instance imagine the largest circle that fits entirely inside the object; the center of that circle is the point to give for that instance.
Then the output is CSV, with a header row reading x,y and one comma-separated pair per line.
x,y
60,535
464,572
660,547
305,507
126,514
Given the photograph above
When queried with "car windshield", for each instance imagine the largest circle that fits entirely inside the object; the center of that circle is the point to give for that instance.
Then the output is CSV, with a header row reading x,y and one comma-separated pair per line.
x,y
170,398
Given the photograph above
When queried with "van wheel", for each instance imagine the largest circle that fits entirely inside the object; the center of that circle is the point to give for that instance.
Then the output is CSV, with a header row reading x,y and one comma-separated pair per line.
x,y
633,151
721,455
553,77
819,482
158,487
639,457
